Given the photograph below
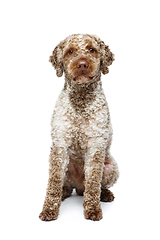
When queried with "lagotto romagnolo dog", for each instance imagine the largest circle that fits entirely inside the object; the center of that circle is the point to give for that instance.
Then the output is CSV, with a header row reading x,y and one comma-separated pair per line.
x,y
81,129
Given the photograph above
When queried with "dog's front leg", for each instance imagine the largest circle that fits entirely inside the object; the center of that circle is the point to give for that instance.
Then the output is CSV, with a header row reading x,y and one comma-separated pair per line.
x,y
58,163
94,163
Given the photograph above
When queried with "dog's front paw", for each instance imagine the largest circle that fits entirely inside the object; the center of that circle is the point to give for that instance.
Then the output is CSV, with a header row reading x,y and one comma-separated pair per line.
x,y
48,215
93,214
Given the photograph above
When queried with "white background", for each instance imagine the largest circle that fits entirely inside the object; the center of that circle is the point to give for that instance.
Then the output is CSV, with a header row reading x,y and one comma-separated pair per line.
x,y
29,88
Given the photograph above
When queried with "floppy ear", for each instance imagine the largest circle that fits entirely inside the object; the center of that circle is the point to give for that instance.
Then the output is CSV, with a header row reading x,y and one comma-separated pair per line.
x,y
56,60
106,59
107,56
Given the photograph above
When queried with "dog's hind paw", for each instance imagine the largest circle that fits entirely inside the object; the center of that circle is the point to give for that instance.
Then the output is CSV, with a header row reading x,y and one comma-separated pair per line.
x,y
106,195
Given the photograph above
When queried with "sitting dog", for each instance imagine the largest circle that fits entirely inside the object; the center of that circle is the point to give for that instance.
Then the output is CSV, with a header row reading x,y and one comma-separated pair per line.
x,y
81,129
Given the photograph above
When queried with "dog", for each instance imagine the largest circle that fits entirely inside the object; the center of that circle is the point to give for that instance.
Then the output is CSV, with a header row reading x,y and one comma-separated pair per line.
x,y
81,129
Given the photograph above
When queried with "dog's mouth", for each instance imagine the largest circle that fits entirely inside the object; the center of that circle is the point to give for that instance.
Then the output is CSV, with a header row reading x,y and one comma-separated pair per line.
x,y
83,78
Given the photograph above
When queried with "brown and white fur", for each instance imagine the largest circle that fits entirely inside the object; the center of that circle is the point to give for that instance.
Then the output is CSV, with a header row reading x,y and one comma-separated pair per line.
x,y
81,129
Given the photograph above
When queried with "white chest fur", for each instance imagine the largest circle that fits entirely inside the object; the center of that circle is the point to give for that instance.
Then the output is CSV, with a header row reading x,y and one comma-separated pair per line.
x,y
85,127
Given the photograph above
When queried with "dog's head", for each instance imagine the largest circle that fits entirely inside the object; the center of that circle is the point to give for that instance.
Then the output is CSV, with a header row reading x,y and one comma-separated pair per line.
x,y
82,58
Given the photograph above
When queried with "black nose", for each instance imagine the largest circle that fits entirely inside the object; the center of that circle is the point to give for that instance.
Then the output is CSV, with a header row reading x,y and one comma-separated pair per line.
x,y
82,64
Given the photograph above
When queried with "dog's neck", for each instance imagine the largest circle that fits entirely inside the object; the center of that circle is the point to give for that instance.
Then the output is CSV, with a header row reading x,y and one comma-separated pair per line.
x,y
82,95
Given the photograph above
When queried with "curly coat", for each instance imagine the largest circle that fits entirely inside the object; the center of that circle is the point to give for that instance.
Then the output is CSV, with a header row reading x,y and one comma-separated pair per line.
x,y
81,128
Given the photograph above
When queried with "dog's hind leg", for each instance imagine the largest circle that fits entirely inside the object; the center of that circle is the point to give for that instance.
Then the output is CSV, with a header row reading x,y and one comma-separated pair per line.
x,y
110,176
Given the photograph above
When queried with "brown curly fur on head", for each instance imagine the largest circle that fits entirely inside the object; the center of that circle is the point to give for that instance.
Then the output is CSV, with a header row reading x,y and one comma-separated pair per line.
x,y
57,56
107,57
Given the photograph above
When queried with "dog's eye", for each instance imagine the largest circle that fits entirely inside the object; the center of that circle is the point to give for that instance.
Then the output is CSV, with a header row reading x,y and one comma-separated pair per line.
x,y
92,50
70,52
